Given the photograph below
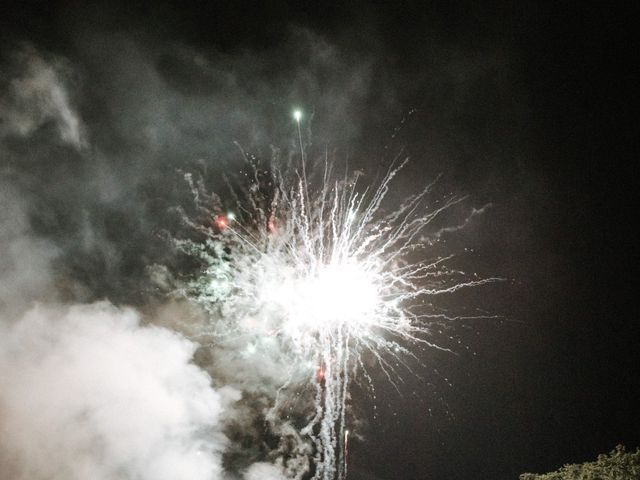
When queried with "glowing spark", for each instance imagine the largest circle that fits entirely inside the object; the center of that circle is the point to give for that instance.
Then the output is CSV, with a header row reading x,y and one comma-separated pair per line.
x,y
221,222
297,115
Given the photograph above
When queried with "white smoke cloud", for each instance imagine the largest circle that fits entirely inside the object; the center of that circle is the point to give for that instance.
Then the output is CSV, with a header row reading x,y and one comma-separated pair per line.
x,y
264,471
88,393
25,259
37,95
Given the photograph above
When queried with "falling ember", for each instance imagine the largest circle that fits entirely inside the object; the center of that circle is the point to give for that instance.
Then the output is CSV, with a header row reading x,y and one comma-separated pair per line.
x,y
339,279
346,447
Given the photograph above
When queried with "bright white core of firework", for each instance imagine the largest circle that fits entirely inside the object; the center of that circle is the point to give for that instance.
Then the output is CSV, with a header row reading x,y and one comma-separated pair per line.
x,y
336,294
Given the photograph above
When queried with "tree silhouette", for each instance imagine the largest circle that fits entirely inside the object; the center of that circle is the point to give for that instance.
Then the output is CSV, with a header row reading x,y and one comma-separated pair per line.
x,y
617,465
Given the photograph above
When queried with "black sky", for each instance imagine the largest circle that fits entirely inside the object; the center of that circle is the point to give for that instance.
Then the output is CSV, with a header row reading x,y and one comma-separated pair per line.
x,y
530,107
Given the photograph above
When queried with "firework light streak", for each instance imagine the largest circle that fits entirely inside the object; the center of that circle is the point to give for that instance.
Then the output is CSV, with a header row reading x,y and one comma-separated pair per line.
x,y
325,272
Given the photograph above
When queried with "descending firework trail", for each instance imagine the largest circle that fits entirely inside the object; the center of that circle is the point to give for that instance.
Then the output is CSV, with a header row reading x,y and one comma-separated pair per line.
x,y
326,273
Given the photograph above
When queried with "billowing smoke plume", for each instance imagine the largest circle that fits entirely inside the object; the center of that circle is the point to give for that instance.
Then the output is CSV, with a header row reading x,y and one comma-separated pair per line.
x,y
86,392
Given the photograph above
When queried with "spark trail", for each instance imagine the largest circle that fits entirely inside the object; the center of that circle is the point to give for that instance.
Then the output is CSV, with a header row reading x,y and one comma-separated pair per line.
x,y
319,266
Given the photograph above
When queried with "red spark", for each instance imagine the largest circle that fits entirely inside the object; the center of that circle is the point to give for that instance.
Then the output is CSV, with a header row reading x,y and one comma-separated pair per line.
x,y
271,224
221,221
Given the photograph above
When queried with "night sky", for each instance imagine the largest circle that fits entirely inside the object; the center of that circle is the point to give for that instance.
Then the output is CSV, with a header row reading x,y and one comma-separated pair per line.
x,y
526,107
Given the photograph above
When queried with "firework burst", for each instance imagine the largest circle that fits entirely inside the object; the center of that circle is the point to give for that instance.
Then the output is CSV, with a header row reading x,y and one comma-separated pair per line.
x,y
322,269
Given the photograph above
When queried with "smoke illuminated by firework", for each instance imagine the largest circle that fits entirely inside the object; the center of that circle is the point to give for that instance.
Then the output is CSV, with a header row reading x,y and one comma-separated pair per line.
x,y
312,261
